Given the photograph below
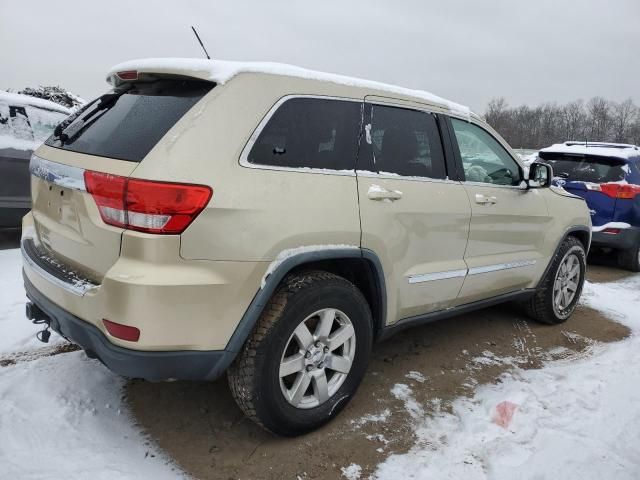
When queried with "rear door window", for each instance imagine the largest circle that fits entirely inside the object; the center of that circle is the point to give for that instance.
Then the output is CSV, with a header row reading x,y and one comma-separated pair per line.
x,y
127,123
403,142
310,133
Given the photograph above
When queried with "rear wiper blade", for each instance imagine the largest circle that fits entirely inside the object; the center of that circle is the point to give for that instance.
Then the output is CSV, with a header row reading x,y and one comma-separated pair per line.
x,y
74,125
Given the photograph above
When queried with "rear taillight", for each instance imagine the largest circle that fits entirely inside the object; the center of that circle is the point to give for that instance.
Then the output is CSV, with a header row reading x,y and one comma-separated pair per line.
x,y
616,190
145,205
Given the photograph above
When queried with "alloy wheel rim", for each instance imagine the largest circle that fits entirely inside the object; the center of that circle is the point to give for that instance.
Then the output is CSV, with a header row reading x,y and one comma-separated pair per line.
x,y
317,358
566,284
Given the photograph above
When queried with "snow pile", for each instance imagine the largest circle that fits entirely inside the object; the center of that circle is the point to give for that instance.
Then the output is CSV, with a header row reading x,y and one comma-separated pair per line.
x,y
571,419
352,472
8,141
63,417
23,100
221,71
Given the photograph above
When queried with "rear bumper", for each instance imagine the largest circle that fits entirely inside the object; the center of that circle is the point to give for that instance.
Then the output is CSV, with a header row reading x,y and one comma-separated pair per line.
x,y
627,238
150,365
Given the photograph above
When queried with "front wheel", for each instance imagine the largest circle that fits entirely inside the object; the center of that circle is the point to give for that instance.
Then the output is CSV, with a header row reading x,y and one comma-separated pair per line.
x,y
560,289
306,356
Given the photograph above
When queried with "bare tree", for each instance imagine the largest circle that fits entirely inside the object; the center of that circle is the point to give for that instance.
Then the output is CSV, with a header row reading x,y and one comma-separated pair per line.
x,y
536,127
599,111
623,115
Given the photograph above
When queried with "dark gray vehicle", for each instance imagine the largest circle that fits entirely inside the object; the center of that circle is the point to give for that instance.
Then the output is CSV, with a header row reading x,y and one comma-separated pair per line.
x,y
25,122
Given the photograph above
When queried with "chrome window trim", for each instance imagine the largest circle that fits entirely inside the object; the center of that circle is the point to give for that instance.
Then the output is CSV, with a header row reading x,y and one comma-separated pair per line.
x,y
501,266
78,288
57,173
244,156
430,277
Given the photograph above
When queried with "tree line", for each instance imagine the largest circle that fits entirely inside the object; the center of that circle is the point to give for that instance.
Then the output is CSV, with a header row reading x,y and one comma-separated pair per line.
x,y
598,120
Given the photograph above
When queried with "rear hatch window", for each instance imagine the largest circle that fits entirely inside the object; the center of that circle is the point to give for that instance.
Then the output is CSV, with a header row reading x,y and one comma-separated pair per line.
x,y
591,169
128,122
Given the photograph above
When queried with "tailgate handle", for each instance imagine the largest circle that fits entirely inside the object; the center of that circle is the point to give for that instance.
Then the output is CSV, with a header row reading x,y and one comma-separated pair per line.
x,y
483,199
376,192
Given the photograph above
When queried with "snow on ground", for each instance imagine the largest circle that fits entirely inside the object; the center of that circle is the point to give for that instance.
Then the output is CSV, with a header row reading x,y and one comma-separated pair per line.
x,y
62,416
18,334
575,418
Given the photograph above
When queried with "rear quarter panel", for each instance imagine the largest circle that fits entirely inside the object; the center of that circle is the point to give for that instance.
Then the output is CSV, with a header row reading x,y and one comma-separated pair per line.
x,y
255,213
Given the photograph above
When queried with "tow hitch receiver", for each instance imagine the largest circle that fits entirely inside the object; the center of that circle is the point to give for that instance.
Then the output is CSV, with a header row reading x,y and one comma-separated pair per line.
x,y
38,317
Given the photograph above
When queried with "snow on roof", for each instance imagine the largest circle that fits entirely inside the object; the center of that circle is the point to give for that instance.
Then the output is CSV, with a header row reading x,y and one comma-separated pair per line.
x,y
19,99
221,71
600,149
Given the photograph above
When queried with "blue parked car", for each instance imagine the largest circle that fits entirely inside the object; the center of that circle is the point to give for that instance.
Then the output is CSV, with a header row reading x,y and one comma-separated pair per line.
x,y
607,176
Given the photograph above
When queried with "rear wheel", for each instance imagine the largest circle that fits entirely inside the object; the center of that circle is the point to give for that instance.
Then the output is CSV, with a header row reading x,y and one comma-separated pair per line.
x,y
306,356
558,295
630,258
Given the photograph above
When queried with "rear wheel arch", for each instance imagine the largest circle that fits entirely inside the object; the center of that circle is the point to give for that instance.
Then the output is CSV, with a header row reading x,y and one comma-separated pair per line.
x,y
359,266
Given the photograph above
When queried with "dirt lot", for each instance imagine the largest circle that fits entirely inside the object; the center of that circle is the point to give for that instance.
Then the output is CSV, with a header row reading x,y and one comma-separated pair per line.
x,y
199,425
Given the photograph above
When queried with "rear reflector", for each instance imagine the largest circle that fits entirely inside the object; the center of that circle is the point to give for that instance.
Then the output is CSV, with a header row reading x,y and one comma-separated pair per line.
x,y
145,205
611,231
123,332
617,190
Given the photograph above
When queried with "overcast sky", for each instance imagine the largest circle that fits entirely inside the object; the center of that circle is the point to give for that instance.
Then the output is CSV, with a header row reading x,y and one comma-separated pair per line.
x,y
466,50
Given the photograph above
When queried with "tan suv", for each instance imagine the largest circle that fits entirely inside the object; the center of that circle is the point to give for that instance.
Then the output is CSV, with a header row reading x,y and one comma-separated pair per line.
x,y
273,222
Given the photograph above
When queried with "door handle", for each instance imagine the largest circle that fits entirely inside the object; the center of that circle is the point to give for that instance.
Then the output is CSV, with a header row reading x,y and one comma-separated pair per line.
x,y
377,192
483,199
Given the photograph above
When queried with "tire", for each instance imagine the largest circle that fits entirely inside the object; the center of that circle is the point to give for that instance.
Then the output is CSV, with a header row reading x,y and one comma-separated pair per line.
x,y
630,259
542,306
254,377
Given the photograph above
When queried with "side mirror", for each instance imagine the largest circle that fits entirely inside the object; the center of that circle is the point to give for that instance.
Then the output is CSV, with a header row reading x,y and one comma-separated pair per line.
x,y
540,175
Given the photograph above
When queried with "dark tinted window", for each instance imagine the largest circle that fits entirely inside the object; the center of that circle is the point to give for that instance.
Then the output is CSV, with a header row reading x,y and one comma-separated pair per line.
x,y
310,132
586,168
402,141
127,123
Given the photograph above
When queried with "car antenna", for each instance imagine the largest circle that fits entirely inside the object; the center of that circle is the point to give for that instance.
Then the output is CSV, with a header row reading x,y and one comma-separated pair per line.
x,y
200,42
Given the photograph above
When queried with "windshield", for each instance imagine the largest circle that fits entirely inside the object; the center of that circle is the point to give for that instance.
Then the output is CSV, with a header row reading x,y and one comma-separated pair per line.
x,y
586,168
128,122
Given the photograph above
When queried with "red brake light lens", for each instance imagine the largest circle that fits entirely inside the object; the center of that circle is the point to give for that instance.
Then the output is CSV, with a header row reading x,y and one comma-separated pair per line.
x,y
128,75
620,190
144,205
123,332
